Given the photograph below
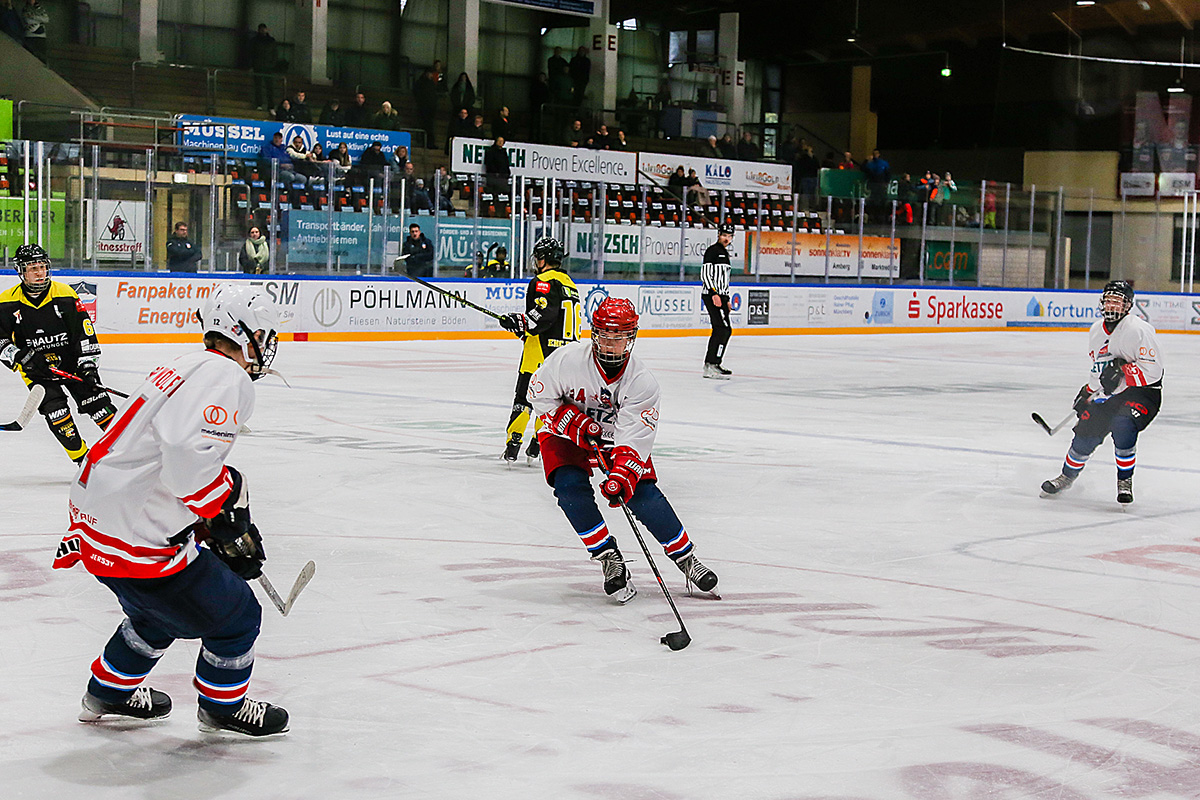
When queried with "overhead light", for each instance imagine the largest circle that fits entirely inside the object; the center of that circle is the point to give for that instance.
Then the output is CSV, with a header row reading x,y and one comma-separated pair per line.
x,y
1144,5
1085,2
853,37
946,67
1175,88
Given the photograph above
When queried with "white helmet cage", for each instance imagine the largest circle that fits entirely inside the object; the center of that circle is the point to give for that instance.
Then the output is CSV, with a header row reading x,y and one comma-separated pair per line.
x,y
237,313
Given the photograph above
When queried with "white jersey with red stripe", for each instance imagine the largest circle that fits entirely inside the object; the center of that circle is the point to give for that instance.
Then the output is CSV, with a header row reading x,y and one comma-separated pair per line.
x,y
159,466
1133,341
625,406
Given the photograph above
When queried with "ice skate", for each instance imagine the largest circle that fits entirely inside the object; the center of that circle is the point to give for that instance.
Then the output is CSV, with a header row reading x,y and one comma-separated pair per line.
x,y
616,576
254,718
722,370
698,575
1056,485
512,449
715,372
533,452
145,703
1124,491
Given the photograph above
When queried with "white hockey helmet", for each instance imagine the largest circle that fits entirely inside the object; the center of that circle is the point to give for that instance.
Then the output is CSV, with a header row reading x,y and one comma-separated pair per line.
x,y
247,317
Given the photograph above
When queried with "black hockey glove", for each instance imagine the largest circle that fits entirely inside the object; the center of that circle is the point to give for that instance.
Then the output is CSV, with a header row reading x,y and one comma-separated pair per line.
x,y
514,324
233,538
1110,378
1082,398
31,362
89,372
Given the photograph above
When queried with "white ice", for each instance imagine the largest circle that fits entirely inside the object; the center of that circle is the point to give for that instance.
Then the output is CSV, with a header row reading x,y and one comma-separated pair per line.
x,y
903,616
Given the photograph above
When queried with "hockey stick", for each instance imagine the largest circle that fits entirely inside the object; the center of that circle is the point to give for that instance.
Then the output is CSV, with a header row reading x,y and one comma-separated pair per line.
x,y
462,300
68,376
676,640
36,395
1066,420
285,606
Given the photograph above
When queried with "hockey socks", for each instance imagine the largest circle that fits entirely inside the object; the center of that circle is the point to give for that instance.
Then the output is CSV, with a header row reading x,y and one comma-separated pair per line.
x,y
221,681
126,661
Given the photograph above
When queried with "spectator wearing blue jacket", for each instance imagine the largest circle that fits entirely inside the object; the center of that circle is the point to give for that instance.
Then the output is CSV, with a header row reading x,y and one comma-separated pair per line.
x,y
275,150
879,175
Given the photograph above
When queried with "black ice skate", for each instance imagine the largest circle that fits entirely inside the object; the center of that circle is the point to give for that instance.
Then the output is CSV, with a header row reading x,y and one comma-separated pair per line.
x,y
1056,485
144,703
1125,490
697,574
513,448
722,370
616,576
534,451
254,718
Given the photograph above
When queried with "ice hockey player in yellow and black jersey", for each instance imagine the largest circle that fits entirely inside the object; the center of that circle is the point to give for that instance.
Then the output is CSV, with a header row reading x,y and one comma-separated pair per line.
x,y
43,327
552,318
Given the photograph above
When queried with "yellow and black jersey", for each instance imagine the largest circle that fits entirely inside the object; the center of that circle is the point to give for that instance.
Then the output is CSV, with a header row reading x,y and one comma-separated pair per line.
x,y
57,325
552,309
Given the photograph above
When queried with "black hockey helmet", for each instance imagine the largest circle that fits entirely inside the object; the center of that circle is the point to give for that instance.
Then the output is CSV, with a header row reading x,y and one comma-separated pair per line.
x,y
725,227
548,250
1122,290
32,255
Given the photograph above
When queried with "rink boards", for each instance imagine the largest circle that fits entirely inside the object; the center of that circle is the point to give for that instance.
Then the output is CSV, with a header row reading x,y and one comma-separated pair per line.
x,y
136,307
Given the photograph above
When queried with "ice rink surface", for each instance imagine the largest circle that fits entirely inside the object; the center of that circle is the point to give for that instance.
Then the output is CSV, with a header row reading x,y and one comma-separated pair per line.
x,y
903,616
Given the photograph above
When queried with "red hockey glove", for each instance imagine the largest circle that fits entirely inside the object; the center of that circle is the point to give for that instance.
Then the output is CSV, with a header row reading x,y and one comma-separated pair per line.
x,y
570,422
627,469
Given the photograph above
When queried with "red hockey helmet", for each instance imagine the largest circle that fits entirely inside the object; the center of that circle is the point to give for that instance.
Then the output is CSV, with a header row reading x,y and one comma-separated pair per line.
x,y
614,328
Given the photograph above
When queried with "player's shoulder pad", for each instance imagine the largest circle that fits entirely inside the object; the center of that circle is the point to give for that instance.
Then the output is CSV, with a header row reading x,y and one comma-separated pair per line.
x,y
58,290
11,294
559,276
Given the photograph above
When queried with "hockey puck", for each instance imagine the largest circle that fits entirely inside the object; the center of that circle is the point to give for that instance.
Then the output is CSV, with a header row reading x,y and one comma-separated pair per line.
x,y
677,640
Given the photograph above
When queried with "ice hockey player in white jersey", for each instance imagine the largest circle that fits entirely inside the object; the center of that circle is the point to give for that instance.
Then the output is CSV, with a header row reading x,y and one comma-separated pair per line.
x,y
600,397
154,484
1122,395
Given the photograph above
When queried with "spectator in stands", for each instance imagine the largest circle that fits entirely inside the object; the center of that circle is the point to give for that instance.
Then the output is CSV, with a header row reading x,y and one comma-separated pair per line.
x,y
807,170
36,19
562,91
879,175
284,112
677,183
443,187
945,200
618,143
332,114
847,161
926,187
728,148
302,163
477,129
461,125
341,159
182,255
500,125
790,149
318,159
602,139
574,135
462,93
555,63
358,115
425,97
275,150
386,118
710,150
419,200
372,162
695,190
438,75
254,255
300,109
904,191
264,61
408,172
581,73
400,158
496,167
989,207
747,150
539,95
11,22
419,251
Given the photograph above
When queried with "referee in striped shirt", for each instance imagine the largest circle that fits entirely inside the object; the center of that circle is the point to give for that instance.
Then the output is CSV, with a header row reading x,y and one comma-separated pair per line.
x,y
714,275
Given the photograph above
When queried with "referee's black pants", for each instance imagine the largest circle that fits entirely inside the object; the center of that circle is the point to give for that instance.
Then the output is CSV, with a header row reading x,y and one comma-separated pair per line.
x,y
721,329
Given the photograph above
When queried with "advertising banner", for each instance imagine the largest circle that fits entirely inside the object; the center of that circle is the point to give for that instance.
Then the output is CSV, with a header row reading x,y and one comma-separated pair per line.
x,y
12,224
245,137
132,307
717,174
547,161
937,261
120,231
628,244
880,255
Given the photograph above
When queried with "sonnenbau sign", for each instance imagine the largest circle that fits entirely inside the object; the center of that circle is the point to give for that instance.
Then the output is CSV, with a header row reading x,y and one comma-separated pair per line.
x,y
545,161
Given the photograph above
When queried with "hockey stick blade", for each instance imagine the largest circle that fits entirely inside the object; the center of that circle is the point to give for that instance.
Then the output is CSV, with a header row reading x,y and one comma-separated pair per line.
x,y
306,575
276,600
1038,419
36,395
